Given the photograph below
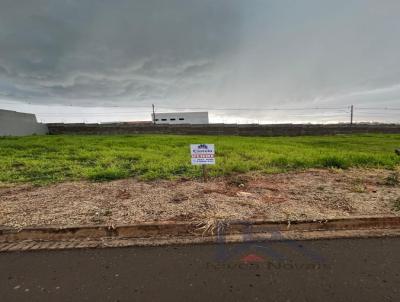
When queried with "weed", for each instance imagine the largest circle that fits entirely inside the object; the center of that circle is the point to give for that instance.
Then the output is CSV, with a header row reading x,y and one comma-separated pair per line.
x,y
358,188
107,212
396,205
393,179
237,181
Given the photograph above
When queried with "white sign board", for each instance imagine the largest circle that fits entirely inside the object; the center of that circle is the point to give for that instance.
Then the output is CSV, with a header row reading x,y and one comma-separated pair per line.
x,y
203,154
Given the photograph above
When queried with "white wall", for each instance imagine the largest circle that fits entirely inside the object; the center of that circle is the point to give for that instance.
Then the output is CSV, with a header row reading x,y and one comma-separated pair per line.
x,y
182,118
14,123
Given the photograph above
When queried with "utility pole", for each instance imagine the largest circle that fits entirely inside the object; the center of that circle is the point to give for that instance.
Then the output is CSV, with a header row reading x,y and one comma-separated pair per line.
x,y
351,114
154,115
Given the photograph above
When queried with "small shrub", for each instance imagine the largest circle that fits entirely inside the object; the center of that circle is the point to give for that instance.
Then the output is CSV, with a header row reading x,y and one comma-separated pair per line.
x,y
393,179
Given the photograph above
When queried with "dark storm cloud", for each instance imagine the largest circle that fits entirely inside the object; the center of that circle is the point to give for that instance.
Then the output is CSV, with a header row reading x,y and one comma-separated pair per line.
x,y
228,53
79,50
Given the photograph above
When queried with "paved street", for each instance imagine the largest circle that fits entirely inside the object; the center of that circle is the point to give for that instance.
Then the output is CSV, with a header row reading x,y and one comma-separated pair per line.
x,y
325,270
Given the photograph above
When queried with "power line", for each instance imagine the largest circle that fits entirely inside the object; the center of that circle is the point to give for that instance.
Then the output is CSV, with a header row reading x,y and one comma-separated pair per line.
x,y
252,109
376,108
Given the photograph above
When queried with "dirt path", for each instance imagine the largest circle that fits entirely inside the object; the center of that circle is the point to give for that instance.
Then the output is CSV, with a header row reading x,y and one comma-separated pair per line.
x,y
313,194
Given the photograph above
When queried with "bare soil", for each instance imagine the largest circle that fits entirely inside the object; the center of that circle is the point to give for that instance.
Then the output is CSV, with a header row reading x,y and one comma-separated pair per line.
x,y
312,194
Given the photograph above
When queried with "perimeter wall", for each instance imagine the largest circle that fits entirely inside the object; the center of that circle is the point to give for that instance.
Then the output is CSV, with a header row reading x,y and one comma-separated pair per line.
x,y
223,129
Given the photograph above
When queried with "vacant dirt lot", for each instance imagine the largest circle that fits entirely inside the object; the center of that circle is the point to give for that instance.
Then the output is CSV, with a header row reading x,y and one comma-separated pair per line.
x,y
313,194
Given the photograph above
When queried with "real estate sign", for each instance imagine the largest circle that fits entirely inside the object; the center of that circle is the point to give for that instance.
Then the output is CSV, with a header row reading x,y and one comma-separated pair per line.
x,y
203,154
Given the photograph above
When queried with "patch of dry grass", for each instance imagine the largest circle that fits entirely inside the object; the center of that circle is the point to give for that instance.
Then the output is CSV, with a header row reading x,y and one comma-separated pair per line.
x,y
211,205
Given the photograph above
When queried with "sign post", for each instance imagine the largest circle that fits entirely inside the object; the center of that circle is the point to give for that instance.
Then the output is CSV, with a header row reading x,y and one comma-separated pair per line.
x,y
204,173
203,154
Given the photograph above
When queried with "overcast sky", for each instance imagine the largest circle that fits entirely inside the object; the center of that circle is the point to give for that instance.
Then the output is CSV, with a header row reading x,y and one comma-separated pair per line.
x,y
200,53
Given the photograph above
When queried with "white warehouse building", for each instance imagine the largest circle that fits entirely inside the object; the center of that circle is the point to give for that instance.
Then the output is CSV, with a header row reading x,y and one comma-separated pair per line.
x,y
14,123
180,118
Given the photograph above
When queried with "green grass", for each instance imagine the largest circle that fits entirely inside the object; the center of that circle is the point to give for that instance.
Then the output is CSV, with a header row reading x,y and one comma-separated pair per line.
x,y
46,159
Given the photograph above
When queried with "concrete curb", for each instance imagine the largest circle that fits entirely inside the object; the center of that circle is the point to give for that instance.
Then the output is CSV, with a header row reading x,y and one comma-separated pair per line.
x,y
170,229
